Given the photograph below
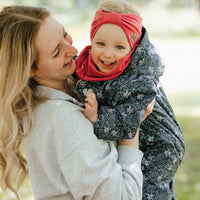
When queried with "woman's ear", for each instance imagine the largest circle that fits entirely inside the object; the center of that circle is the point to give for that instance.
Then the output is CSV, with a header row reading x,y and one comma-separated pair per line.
x,y
33,70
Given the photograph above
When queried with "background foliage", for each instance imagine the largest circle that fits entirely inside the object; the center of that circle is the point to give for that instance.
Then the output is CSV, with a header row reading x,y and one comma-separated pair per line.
x,y
164,18
174,26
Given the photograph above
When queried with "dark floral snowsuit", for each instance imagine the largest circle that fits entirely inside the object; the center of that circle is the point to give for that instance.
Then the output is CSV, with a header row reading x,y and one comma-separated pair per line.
x,y
122,104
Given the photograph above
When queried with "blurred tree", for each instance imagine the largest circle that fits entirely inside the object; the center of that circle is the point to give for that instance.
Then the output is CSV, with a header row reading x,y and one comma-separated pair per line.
x,y
18,1
199,5
184,3
81,3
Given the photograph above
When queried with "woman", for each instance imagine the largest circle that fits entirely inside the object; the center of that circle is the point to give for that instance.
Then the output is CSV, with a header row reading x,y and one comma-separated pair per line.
x,y
38,102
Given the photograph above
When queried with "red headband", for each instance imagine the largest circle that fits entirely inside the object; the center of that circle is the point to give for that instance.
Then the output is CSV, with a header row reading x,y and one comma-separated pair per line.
x,y
130,24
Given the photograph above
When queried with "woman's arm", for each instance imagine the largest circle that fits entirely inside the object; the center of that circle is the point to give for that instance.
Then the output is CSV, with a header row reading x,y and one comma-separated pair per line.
x,y
94,169
97,171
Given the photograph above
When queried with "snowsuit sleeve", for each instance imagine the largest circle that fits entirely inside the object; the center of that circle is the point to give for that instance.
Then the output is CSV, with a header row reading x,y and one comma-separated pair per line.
x,y
125,108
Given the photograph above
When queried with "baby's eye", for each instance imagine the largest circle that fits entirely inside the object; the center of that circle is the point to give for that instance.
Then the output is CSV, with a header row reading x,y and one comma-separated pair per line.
x,y
101,43
119,47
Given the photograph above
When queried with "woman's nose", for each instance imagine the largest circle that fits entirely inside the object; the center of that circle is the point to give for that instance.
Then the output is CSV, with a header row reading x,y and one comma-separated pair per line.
x,y
70,50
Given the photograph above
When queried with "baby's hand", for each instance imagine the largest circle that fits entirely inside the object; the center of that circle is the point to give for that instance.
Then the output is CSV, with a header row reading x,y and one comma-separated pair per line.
x,y
91,107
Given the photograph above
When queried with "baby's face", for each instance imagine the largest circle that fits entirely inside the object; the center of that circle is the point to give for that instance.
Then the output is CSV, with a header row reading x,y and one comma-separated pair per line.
x,y
109,46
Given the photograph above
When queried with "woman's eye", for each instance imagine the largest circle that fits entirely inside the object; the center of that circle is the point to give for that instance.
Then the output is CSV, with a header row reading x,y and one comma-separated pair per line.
x,y
65,34
119,47
101,43
57,53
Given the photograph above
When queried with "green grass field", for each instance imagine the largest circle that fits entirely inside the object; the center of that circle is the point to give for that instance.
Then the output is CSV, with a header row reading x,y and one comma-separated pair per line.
x,y
187,179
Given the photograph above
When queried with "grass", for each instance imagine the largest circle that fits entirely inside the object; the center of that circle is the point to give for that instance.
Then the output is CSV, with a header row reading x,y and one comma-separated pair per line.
x,y
187,107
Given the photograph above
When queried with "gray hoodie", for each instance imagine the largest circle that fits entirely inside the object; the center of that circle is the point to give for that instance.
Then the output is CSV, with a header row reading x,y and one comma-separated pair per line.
x,y
67,161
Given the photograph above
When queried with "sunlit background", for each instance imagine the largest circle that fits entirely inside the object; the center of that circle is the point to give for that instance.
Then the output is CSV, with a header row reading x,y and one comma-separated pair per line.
x,y
174,28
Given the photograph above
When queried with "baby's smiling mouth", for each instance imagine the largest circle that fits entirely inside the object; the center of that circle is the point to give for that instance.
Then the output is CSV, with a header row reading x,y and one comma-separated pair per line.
x,y
107,63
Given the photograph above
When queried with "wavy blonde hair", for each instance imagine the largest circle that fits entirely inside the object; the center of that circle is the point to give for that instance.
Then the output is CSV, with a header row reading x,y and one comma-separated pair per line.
x,y
18,28
118,7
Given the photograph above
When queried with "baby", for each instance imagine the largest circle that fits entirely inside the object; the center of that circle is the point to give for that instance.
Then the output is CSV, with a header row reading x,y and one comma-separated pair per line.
x,y
122,68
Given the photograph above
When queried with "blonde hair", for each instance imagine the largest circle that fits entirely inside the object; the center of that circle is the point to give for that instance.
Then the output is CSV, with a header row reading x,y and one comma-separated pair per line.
x,y
18,29
118,7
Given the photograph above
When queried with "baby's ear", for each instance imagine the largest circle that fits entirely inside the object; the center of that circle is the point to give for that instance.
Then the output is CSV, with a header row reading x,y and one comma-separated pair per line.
x,y
134,36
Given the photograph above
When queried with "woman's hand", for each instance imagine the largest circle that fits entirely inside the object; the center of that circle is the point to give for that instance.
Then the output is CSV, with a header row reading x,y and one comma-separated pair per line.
x,y
91,107
149,109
